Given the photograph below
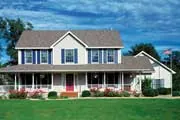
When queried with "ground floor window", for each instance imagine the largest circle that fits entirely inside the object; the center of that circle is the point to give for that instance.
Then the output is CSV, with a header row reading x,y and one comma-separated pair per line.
x,y
111,79
95,79
157,83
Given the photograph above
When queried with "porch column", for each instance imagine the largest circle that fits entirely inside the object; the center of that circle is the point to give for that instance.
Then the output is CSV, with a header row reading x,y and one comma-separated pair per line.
x,y
19,81
52,81
104,79
140,82
122,79
15,82
86,80
33,81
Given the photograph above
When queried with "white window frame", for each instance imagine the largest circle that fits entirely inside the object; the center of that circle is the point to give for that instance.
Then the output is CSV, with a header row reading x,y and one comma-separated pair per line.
x,y
92,57
113,56
26,55
41,56
65,56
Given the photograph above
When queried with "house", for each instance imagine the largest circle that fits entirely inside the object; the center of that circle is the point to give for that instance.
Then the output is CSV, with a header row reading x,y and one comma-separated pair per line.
x,y
77,60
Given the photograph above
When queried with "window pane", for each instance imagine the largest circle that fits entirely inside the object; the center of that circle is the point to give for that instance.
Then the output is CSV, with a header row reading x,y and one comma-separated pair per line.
x,y
69,55
110,56
44,56
95,55
28,56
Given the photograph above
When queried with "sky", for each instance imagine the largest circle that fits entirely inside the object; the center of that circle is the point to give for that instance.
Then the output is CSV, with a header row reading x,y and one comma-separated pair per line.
x,y
147,21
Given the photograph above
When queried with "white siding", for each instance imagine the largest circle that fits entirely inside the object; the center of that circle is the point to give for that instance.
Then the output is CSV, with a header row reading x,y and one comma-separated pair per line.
x,y
69,43
19,56
119,56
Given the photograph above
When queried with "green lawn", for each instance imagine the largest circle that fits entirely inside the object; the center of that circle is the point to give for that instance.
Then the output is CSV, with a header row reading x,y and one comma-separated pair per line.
x,y
96,109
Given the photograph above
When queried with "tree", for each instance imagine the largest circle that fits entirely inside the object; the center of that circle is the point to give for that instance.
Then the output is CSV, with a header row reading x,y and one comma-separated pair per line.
x,y
146,47
11,30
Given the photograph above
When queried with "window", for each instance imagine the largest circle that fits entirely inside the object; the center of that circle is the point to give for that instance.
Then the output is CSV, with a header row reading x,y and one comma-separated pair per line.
x,y
95,80
69,55
111,79
110,56
95,56
44,56
28,56
157,83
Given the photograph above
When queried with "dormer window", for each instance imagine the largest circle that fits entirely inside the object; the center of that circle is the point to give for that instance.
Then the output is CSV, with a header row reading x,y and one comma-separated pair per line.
x,y
95,56
69,55
44,56
28,56
110,56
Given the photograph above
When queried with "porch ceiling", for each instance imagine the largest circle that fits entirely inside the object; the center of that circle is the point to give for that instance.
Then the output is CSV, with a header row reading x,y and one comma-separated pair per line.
x,y
129,63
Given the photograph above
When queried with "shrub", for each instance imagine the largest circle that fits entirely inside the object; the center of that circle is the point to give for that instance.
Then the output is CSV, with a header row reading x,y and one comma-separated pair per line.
x,y
37,94
15,94
150,92
86,93
106,92
52,95
176,93
135,94
146,83
99,94
164,91
125,94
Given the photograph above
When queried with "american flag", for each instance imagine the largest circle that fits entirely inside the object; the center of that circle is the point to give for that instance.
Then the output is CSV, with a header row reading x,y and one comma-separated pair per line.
x,y
167,52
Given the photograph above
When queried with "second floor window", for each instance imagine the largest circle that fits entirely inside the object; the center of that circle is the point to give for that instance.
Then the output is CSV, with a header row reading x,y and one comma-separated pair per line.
x,y
44,56
28,56
95,56
69,55
110,56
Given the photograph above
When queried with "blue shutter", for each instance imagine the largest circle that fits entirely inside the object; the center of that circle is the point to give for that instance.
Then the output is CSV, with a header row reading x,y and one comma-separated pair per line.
x,y
62,56
89,56
76,55
116,56
49,56
38,56
100,56
34,56
105,56
22,56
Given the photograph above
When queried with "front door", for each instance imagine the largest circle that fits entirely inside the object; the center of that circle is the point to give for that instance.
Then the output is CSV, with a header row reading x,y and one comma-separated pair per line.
x,y
69,82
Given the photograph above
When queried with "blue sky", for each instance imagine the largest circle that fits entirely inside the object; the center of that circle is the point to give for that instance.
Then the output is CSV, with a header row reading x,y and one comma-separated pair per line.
x,y
148,21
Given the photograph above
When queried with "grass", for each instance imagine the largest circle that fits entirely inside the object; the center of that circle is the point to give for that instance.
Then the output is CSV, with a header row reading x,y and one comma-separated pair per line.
x,y
96,109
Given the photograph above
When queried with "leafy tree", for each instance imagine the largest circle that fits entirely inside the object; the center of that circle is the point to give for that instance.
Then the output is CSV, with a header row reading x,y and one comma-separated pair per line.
x,y
11,30
146,84
147,47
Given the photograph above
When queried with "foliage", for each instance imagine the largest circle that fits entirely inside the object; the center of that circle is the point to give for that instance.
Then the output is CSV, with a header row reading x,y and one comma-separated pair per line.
x,y
146,83
11,30
86,93
147,47
149,92
99,94
37,94
164,91
135,94
15,94
125,94
52,95
176,93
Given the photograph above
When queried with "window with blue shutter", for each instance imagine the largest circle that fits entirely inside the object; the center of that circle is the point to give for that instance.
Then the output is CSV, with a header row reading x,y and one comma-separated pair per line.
x,y
34,56
38,56
22,56
49,56
100,56
76,55
89,56
62,56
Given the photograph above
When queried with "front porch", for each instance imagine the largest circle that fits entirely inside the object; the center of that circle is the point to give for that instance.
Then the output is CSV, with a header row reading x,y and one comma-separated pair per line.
x,y
75,81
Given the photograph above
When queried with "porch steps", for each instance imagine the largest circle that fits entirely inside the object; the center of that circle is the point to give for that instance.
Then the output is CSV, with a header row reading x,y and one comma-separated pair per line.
x,y
69,94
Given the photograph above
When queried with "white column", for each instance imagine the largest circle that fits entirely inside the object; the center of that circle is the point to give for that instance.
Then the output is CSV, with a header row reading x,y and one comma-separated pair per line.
x,y
104,79
33,81
86,79
15,82
122,78
119,81
140,82
19,81
52,81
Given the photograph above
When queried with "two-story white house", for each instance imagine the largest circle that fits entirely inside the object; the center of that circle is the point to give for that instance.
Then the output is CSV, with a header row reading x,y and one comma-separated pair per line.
x,y
77,60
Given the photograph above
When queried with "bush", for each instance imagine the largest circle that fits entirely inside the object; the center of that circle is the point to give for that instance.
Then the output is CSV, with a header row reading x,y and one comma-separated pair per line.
x,y
15,94
146,83
36,94
135,94
52,95
86,93
150,92
176,93
99,94
164,91
125,94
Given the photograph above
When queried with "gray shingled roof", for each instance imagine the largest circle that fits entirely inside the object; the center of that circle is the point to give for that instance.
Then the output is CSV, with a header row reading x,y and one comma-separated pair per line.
x,y
129,63
93,38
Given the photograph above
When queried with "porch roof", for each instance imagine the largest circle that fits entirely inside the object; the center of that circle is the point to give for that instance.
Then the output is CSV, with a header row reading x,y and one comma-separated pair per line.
x,y
129,63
